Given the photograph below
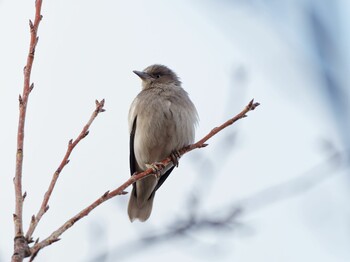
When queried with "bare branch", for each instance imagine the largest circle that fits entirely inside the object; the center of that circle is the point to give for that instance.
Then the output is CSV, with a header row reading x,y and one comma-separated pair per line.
x,y
71,145
121,189
20,243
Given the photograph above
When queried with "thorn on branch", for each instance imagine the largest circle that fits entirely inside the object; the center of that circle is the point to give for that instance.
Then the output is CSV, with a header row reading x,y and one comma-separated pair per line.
x,y
67,161
41,17
33,219
31,25
86,133
51,241
31,87
24,69
46,208
124,193
55,240
29,241
33,256
70,142
105,194
20,100
32,52
36,241
24,195
14,216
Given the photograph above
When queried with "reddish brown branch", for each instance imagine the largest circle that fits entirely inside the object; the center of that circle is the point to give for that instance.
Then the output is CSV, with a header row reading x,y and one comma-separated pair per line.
x,y
120,190
71,145
20,243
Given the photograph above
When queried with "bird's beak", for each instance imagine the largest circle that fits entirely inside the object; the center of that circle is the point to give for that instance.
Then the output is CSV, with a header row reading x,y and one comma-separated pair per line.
x,y
142,75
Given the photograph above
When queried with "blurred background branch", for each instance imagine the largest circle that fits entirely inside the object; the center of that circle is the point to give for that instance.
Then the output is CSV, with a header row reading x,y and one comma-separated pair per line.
x,y
225,221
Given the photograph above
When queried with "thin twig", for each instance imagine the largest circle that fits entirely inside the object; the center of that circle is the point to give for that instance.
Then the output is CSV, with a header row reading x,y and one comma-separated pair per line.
x,y
121,189
21,249
71,145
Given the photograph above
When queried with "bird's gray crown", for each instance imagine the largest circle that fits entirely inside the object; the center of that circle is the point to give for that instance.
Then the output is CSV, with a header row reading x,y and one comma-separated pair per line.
x,y
157,71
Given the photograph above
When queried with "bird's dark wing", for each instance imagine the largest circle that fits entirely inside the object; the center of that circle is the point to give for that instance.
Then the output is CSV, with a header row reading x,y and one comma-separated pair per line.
x,y
163,178
132,159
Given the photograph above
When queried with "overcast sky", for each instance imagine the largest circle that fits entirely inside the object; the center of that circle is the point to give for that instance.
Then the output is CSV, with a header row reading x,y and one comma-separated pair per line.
x,y
225,52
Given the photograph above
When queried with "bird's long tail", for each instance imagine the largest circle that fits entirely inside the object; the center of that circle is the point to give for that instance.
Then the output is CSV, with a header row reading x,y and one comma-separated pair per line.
x,y
141,199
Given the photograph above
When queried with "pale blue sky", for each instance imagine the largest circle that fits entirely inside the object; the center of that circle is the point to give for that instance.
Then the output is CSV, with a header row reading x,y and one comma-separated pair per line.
x,y
87,51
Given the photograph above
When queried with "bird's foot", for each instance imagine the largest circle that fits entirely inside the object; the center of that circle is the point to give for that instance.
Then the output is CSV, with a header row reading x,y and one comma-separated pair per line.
x,y
156,167
175,156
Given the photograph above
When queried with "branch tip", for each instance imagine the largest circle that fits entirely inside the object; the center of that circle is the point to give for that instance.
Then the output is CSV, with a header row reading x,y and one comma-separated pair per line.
x,y
252,105
255,105
100,105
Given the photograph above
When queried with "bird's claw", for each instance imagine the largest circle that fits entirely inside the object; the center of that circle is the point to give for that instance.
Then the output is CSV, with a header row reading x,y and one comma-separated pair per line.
x,y
175,156
156,167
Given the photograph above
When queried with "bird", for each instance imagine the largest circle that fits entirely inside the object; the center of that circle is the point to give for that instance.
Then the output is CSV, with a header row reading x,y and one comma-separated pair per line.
x,y
162,120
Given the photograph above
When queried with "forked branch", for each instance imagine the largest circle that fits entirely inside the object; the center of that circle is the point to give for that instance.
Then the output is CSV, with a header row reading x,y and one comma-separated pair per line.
x,y
121,189
71,145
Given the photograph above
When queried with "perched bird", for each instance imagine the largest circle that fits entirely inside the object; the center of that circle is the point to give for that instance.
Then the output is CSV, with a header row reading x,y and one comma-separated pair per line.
x,y
162,120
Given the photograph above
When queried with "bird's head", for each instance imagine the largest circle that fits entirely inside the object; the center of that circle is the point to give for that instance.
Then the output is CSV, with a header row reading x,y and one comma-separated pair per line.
x,y
157,76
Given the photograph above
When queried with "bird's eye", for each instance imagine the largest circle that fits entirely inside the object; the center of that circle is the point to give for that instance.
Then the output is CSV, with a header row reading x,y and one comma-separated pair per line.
x,y
157,76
